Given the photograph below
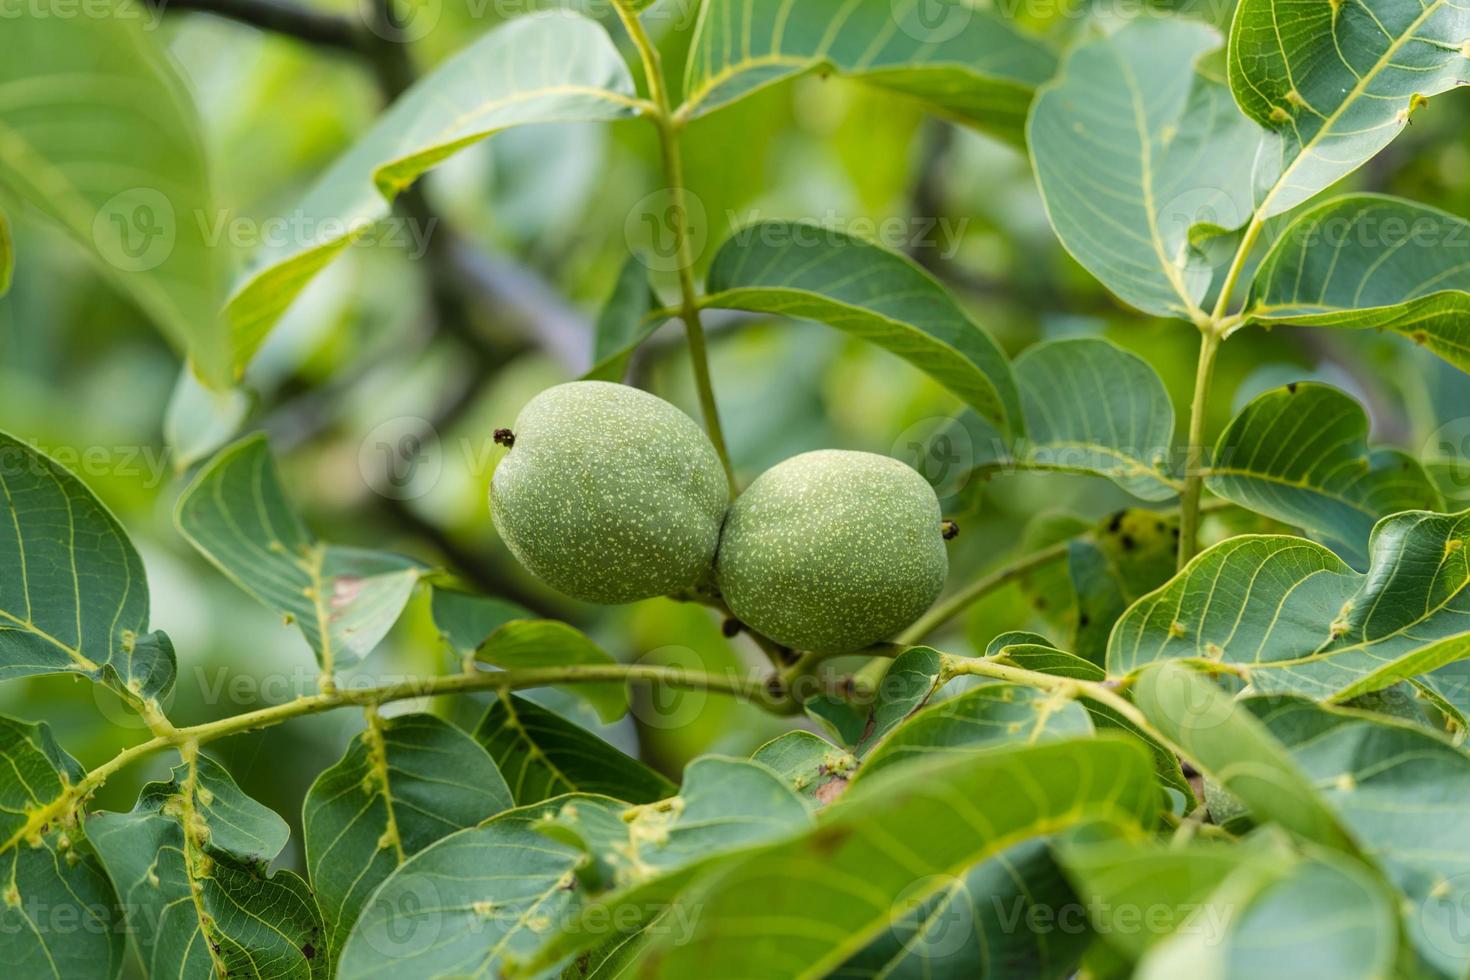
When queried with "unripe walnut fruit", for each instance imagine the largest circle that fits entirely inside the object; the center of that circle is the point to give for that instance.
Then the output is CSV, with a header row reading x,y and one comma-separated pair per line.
x,y
609,494
832,551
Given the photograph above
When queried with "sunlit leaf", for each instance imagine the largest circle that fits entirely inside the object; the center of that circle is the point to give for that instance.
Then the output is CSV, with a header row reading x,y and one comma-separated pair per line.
x,y
544,67
542,755
403,784
1335,83
1134,147
1368,261
970,64
1300,455
73,593
344,599
59,917
805,906
988,716
98,132
189,863
805,271
1011,916
1292,617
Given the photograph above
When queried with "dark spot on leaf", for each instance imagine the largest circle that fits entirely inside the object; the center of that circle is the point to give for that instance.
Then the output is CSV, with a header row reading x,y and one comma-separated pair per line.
x,y
828,792
1084,620
1291,388
1115,522
1127,542
828,839
309,951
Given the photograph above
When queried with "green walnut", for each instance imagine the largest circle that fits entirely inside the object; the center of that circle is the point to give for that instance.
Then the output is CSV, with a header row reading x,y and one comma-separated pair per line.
x,y
609,494
831,551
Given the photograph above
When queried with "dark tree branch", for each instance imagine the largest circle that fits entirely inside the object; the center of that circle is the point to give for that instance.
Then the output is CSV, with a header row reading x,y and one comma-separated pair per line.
x,y
281,17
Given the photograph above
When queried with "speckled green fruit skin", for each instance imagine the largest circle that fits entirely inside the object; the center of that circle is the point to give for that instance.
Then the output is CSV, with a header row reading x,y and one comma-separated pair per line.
x,y
831,551
610,494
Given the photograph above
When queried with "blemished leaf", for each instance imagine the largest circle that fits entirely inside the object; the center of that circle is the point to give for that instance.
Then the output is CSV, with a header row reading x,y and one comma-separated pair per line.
x,y
542,755
59,917
189,863
344,599
907,685
805,271
1134,147
1369,261
1127,556
544,67
73,592
1292,618
547,643
1403,794
624,322
98,133
1230,745
465,620
1092,407
989,716
1300,455
491,897
403,784
1335,84
980,925
971,64
803,907
818,770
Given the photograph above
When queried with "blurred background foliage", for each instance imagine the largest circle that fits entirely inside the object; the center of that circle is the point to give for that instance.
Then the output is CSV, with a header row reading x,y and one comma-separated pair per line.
x,y
540,221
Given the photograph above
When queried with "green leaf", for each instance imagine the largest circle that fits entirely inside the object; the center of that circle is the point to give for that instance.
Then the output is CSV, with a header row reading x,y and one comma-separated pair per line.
x,y
1300,455
1292,617
1092,407
544,67
200,420
546,643
1368,261
465,621
1230,745
59,914
1134,147
805,906
1044,658
189,863
1404,795
907,686
802,270
488,899
344,599
981,925
403,784
73,593
1124,558
98,132
1237,911
818,770
989,716
1335,84
624,322
7,255
542,755
973,66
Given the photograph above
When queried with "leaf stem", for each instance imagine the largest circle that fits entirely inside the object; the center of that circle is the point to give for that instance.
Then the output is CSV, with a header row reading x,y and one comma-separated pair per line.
x,y
662,114
1189,500
945,610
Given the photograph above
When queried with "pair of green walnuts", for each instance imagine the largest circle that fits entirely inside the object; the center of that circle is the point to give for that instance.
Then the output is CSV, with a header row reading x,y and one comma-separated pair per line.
x,y
610,494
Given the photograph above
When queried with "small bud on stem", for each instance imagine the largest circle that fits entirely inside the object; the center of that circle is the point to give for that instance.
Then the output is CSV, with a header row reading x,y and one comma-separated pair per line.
x,y
949,529
505,437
